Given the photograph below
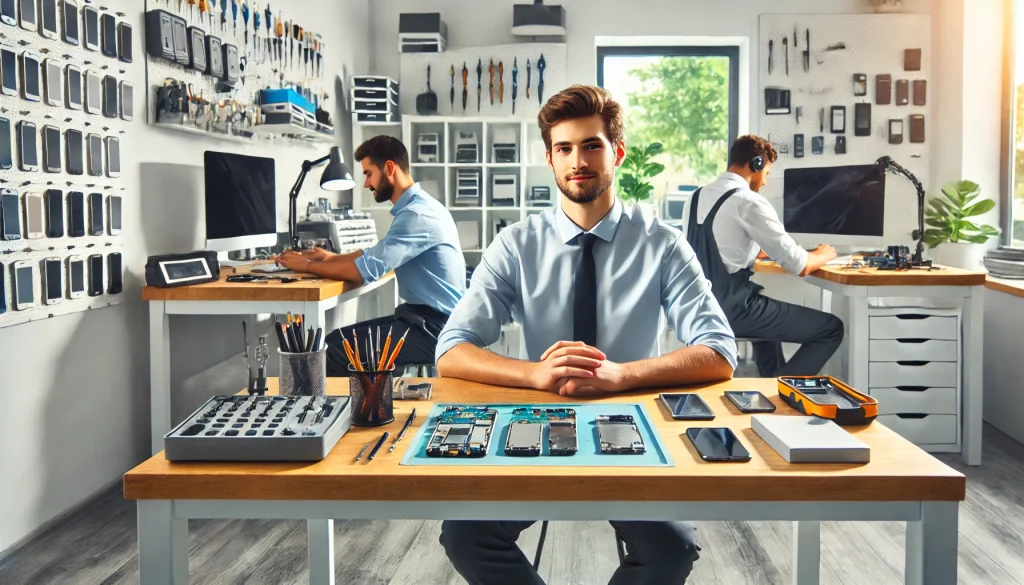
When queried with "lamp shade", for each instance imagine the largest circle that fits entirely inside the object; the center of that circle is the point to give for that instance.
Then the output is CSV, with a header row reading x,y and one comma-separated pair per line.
x,y
336,176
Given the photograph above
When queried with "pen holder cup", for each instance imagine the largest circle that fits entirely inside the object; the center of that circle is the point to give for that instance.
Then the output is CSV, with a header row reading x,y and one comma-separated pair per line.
x,y
370,393
303,374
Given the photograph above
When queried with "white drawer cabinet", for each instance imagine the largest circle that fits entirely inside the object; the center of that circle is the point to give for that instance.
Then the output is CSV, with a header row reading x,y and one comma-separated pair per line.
x,y
915,400
913,326
932,429
930,350
892,374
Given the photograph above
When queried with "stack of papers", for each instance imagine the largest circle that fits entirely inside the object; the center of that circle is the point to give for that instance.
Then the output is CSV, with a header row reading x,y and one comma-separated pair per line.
x,y
809,439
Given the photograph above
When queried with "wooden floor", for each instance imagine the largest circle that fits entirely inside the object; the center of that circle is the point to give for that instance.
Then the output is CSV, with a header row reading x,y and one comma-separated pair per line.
x,y
97,545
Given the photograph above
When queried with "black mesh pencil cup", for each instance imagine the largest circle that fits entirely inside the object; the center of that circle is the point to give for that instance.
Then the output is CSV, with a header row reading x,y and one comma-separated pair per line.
x,y
303,374
370,393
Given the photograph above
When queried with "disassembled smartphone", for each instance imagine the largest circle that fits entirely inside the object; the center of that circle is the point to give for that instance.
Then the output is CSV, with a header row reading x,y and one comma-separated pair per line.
x,y
750,401
619,435
463,431
76,277
561,431
525,433
53,281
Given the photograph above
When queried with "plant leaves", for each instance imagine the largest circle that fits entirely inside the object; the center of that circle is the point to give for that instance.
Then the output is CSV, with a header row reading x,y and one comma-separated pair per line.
x,y
951,193
653,169
653,149
935,222
933,241
979,208
974,239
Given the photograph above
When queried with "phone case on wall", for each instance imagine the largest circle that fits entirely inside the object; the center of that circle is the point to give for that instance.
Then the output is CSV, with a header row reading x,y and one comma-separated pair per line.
x,y
862,120
860,84
920,92
902,92
896,131
912,60
917,128
883,89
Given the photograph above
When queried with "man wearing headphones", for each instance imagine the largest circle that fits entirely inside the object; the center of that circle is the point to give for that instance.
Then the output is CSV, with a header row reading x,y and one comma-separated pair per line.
x,y
730,223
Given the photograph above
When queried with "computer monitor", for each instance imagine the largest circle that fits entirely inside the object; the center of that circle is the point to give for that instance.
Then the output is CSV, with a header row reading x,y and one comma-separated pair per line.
x,y
841,206
241,202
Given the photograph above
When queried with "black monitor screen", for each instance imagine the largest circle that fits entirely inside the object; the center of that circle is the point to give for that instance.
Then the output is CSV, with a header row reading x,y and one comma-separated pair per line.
x,y
240,196
842,201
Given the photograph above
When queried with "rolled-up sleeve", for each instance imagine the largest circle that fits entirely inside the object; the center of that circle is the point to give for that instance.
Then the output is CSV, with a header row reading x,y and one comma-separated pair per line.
x,y
487,305
408,237
763,226
692,310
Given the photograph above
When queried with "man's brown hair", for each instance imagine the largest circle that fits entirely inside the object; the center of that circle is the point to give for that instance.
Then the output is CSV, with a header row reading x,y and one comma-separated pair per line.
x,y
381,149
747,147
581,101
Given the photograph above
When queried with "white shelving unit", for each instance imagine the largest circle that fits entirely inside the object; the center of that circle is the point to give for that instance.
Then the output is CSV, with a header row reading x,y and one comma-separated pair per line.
x,y
440,176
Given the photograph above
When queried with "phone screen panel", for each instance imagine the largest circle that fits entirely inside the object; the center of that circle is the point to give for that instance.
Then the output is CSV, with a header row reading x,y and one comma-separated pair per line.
x,y
96,279
51,149
30,77
9,12
687,407
750,401
27,148
6,147
115,214
95,154
24,289
49,18
54,280
74,78
54,214
109,27
124,42
54,83
91,18
9,69
127,101
93,93
76,276
71,22
29,18
34,214
96,225
110,105
11,211
717,444
116,285
76,152
113,157
76,214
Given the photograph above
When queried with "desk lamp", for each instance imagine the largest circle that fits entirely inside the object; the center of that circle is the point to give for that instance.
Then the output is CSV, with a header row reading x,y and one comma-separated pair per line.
x,y
889,165
336,177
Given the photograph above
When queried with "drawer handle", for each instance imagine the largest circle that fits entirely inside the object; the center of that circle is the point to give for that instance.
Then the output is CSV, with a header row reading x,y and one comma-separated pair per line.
x,y
910,340
913,363
917,416
913,317
912,388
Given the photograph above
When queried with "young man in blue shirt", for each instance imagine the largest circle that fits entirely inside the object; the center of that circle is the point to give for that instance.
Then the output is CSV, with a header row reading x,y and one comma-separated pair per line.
x,y
422,248
588,282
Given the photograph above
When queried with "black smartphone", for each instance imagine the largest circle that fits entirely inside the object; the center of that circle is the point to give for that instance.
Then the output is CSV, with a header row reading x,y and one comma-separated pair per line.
x,y
687,406
10,211
9,70
717,444
9,12
76,277
3,289
52,149
54,213
53,280
29,18
28,153
94,148
6,148
124,42
48,8
750,401
96,224
110,105
76,214
109,28
114,266
75,152
31,85
91,21
96,280
71,22
74,87
114,214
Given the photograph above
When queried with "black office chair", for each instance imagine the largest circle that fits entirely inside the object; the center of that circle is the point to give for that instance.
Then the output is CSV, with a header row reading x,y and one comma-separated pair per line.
x,y
620,545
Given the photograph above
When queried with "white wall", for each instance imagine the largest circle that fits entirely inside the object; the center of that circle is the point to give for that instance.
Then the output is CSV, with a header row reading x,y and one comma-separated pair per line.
x,y
74,406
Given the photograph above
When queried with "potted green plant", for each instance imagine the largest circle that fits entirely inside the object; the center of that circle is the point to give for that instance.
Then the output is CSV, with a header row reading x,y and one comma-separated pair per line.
x,y
636,170
950,229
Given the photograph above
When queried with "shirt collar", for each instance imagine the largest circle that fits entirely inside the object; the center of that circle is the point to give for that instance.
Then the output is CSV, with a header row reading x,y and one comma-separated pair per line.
x,y
406,198
733,178
605,229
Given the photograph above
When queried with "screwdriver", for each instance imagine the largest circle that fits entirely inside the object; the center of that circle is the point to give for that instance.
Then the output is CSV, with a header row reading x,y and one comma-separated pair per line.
x,y
269,21
223,15
212,5
204,7
320,58
234,15
245,19
256,30
191,9
297,35
279,33
293,31
309,50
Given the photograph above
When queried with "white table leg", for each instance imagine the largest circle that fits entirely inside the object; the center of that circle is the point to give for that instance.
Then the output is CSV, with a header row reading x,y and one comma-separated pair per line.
x,y
163,544
858,341
932,545
806,552
159,375
320,535
972,380
316,316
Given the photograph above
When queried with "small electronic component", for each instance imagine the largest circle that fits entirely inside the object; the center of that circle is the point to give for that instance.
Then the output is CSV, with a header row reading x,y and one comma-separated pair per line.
x,y
462,431
561,431
619,435
525,433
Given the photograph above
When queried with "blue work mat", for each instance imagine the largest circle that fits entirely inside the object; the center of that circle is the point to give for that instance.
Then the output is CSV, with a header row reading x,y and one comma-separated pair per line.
x,y
588,455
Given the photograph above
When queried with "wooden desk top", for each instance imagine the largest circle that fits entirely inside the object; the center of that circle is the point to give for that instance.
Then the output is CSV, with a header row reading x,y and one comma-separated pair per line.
x,y
1006,285
302,290
898,471
948,276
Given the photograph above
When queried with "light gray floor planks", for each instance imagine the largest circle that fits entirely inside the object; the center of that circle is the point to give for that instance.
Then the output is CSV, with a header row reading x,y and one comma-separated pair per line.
x,y
97,545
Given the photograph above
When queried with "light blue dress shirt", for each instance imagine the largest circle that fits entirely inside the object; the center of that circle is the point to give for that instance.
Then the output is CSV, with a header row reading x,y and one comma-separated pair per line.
x,y
643,267
422,247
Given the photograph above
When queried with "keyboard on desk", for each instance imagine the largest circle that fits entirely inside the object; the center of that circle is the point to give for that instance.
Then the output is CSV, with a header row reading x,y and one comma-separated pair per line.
x,y
840,261
269,268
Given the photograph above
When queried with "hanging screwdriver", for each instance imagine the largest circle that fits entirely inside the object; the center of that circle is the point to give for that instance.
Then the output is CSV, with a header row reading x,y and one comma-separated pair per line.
x,y
309,51
245,20
256,32
279,33
191,9
297,35
223,15
234,16
269,22
204,8
209,12
320,58
293,31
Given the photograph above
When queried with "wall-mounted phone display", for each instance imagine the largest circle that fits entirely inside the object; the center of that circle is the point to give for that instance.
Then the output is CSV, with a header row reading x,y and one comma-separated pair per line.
x,y
127,101
29,19
108,28
54,83
114,214
113,157
93,93
124,42
76,214
96,224
6,145
91,27
75,142
74,95
110,95
916,128
54,213
860,84
9,12
97,281
902,92
31,84
48,18
70,22
8,70
896,131
114,274
920,92
94,148
28,152
53,281
862,120
52,149
35,213
10,215
76,277
838,119
23,286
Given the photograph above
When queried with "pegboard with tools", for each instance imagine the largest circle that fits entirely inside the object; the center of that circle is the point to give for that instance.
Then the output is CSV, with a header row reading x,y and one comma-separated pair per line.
x,y
238,69
499,80
66,105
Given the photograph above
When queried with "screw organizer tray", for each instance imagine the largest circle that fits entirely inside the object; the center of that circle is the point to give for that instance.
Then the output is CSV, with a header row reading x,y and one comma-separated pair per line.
x,y
260,428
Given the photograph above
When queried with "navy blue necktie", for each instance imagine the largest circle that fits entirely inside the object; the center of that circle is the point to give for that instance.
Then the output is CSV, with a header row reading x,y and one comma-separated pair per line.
x,y
585,302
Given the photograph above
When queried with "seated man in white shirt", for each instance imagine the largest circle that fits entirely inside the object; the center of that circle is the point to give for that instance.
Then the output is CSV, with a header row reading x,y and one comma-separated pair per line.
x,y
729,223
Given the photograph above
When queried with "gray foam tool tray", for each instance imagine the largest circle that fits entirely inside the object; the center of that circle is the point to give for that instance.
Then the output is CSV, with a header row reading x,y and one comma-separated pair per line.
x,y
260,428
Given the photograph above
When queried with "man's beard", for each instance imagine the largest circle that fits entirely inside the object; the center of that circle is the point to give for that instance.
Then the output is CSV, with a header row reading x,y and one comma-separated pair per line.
x,y
597,184
384,190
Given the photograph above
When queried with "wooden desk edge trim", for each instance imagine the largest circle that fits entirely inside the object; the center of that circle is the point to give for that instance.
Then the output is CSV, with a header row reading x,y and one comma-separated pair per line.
x,y
1010,287
295,294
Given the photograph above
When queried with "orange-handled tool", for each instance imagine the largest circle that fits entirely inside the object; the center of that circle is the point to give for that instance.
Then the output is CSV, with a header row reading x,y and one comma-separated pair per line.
x,y
394,355
384,352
